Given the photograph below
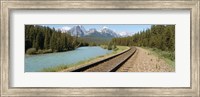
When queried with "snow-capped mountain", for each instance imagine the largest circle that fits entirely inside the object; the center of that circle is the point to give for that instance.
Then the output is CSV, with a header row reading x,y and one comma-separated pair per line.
x,y
104,32
78,30
64,29
124,34
93,33
92,30
108,31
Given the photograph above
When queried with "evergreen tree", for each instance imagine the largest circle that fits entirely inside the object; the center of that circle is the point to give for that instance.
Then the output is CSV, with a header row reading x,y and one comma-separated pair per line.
x,y
53,42
158,36
47,39
110,46
44,38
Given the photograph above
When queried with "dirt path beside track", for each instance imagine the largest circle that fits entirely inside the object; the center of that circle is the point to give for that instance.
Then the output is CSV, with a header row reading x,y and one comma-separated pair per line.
x,y
144,61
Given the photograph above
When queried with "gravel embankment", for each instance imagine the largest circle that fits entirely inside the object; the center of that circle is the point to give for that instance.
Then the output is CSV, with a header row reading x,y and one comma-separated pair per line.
x,y
144,61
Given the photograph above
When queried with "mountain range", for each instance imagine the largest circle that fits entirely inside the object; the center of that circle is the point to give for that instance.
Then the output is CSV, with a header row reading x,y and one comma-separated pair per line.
x,y
105,32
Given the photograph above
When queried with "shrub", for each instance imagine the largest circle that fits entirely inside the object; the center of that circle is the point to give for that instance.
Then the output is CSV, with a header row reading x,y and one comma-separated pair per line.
x,y
31,51
114,46
104,46
48,51
40,51
110,46
115,49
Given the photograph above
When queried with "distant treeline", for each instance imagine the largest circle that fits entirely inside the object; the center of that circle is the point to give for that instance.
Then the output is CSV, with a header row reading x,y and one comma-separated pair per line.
x,y
41,39
158,36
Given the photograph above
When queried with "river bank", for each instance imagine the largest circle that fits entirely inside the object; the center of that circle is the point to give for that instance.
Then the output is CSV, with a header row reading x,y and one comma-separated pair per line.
x,y
35,63
69,67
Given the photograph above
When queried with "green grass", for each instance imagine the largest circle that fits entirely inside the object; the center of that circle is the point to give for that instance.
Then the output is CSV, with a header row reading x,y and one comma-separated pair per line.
x,y
120,49
167,56
63,66
54,69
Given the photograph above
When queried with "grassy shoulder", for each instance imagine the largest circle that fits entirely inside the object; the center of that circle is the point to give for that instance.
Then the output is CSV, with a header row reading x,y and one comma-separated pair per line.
x,y
168,57
68,67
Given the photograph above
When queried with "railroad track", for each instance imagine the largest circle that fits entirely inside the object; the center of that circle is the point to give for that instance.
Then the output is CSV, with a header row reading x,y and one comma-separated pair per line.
x,y
111,64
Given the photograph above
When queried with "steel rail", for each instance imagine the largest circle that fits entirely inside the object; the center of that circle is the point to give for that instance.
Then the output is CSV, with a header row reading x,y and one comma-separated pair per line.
x,y
80,69
118,65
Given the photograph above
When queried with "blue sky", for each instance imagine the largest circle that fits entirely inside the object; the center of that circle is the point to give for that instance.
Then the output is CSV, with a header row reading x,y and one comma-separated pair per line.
x,y
130,28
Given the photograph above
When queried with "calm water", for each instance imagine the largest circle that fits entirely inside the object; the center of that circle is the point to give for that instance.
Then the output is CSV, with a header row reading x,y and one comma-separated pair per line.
x,y
38,62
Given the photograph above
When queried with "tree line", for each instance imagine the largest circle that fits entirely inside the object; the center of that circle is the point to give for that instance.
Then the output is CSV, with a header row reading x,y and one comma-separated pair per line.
x,y
158,36
44,39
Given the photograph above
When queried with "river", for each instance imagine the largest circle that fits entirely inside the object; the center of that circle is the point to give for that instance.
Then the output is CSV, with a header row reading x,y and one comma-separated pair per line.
x,y
34,63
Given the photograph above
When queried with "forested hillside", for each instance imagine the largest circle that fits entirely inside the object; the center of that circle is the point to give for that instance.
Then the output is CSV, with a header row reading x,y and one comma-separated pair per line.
x,y
158,36
44,39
